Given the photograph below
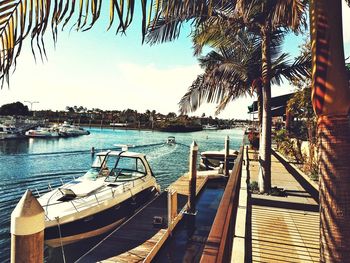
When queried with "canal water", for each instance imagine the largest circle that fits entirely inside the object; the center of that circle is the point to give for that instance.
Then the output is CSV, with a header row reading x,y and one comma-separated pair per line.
x,y
37,164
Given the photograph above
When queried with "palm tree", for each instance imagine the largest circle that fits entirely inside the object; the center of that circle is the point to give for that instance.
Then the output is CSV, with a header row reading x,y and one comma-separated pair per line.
x,y
331,102
259,16
234,69
265,17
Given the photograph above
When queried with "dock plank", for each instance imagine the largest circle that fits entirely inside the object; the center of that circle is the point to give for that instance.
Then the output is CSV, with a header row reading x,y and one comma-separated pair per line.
x,y
283,228
138,240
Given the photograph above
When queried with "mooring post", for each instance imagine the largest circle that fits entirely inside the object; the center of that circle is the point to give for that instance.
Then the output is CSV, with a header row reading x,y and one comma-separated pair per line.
x,y
27,230
192,178
227,153
172,208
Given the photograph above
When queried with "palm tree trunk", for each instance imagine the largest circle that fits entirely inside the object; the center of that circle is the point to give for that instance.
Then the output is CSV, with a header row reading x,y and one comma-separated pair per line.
x,y
265,144
260,107
331,102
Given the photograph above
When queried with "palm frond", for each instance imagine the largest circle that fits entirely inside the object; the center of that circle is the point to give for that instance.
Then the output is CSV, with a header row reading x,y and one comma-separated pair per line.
x,y
298,70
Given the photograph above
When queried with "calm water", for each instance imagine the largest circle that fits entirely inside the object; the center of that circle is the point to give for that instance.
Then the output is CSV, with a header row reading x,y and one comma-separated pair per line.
x,y
36,163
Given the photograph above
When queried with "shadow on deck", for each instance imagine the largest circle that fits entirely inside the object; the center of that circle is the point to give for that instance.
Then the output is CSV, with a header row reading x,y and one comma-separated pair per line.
x,y
282,228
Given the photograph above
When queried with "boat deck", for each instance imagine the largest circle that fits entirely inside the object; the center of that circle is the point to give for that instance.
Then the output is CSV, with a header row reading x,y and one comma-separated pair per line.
x,y
138,240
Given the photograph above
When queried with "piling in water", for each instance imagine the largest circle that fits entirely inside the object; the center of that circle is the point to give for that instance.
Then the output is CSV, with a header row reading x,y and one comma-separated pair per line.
x,y
227,152
192,178
172,208
27,230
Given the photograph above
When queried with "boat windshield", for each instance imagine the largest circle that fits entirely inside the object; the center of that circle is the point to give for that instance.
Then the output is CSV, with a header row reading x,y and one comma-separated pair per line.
x,y
92,174
128,168
98,161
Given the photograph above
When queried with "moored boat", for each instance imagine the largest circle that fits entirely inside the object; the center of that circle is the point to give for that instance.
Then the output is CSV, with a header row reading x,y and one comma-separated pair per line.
x,y
42,132
67,130
211,160
118,183
210,127
9,132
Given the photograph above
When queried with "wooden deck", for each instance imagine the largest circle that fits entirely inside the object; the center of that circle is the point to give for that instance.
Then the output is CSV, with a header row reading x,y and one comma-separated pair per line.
x,y
283,228
181,184
138,240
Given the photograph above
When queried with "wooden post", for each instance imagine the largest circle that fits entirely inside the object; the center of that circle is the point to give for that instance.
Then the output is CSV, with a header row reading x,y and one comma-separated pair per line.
x,y
192,178
101,124
227,153
172,208
90,123
27,230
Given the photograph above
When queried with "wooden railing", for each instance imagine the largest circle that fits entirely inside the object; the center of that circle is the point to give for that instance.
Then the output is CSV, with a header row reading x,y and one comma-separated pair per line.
x,y
218,246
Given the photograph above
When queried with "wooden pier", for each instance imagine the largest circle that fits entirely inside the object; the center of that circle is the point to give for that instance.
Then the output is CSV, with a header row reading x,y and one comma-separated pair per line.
x,y
138,240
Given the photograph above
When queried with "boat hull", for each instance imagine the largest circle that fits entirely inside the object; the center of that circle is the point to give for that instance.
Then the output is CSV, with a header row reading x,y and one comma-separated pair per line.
x,y
212,161
97,224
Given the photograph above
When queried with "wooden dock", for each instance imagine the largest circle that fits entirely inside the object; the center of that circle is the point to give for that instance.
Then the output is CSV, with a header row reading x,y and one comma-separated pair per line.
x,y
283,228
181,184
138,240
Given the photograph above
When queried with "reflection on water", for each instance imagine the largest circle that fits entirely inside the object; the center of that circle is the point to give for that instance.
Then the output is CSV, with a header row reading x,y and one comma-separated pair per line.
x,y
36,163
187,241
14,146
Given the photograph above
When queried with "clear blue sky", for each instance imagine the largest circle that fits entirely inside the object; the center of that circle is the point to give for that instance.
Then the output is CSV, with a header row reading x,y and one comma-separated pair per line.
x,y
98,69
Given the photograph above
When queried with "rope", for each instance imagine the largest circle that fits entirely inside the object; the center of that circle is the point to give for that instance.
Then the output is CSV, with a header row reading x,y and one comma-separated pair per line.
x,y
59,231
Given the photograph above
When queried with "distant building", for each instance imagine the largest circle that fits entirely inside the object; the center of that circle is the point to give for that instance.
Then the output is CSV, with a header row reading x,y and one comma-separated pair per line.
x,y
278,108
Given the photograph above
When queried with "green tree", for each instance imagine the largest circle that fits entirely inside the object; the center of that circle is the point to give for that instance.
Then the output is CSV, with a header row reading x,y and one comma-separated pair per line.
x,y
14,109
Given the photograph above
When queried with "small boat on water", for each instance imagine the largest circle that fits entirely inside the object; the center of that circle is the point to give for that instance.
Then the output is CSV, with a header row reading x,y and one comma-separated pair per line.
x,y
171,140
118,183
9,132
42,132
211,160
66,129
210,127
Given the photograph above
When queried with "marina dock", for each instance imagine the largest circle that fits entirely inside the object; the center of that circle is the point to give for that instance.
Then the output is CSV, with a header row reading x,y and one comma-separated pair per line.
x,y
248,227
138,239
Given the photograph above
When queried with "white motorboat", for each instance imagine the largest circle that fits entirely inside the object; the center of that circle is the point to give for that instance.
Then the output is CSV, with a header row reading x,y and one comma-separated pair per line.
x,y
42,132
171,140
9,132
210,127
67,129
118,183
211,160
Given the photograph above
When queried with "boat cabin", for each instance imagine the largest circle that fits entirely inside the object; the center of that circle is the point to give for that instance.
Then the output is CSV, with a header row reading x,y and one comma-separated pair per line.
x,y
118,166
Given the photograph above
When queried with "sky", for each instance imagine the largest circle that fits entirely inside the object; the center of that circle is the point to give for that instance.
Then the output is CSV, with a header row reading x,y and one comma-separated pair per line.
x,y
98,69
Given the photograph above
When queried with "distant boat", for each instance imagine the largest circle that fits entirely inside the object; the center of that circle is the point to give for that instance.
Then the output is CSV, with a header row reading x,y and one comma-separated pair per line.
x,y
211,160
118,124
117,184
171,140
67,129
42,132
210,127
9,132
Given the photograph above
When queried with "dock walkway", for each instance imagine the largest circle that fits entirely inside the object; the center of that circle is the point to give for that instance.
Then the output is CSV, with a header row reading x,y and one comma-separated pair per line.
x,y
138,240
283,228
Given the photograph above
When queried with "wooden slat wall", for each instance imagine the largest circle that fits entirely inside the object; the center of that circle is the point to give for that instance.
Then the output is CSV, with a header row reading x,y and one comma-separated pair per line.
x,y
219,243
